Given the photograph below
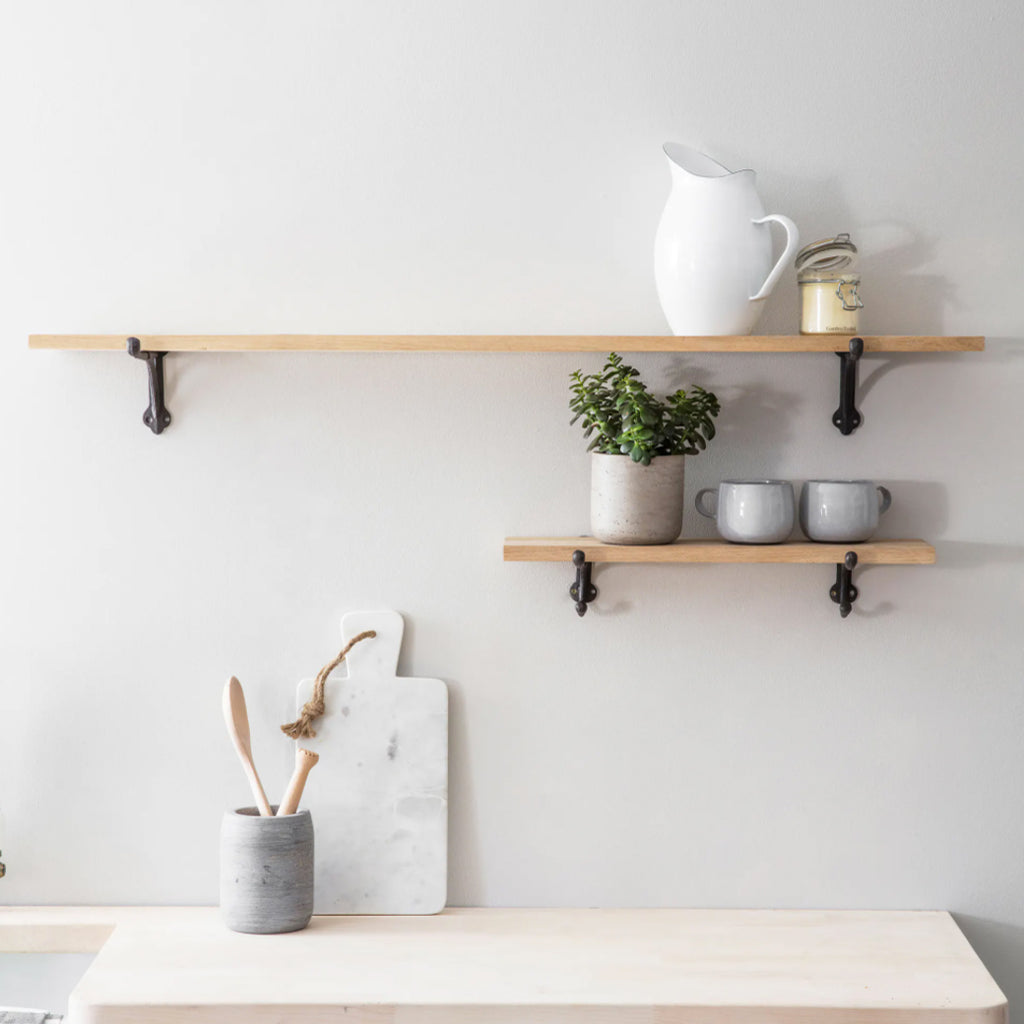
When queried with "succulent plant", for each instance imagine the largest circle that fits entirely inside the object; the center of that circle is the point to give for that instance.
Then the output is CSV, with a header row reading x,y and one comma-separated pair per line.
x,y
626,419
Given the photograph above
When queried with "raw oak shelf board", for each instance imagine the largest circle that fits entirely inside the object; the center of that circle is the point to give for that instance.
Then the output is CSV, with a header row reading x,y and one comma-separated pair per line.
x,y
504,343
152,349
560,549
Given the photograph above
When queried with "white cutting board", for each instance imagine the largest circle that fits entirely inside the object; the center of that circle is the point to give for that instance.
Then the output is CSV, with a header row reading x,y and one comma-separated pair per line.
x,y
379,794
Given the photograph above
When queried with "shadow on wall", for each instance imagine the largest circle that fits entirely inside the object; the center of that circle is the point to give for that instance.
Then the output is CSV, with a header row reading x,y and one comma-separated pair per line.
x,y
998,351
920,508
755,418
1001,948
1002,351
464,860
465,868
963,554
898,298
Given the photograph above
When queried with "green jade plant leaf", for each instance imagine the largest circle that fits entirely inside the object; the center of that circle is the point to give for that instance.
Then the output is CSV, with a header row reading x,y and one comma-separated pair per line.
x,y
627,419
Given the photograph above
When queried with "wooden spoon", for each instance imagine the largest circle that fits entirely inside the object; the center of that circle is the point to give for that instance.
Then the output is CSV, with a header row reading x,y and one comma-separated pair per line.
x,y
304,761
237,719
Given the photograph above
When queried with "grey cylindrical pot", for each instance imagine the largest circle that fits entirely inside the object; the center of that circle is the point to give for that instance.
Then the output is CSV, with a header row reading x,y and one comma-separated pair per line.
x,y
266,871
631,503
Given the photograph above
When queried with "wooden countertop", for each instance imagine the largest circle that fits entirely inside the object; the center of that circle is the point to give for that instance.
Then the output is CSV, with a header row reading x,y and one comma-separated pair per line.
x,y
492,966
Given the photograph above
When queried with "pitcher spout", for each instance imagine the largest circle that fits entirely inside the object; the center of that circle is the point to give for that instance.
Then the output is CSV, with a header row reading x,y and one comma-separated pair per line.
x,y
688,165
692,162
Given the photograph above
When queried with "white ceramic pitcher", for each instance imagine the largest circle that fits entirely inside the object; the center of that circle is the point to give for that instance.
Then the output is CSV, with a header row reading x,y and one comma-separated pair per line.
x,y
713,250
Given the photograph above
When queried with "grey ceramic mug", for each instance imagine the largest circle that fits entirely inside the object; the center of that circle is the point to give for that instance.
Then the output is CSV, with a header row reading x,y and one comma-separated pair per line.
x,y
266,871
751,511
842,510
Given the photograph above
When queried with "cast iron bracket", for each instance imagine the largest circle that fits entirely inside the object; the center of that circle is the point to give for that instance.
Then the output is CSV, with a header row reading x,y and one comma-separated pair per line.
x,y
156,417
846,417
843,592
582,591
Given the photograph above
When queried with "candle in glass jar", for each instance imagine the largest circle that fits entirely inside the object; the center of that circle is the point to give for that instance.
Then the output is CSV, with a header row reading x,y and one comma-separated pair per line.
x,y
828,279
830,306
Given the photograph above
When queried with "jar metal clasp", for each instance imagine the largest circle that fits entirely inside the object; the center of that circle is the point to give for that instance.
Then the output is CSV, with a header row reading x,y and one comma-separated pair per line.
x,y
846,292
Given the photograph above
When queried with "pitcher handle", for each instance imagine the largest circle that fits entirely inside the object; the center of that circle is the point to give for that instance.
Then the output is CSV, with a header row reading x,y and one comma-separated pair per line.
x,y
884,499
792,242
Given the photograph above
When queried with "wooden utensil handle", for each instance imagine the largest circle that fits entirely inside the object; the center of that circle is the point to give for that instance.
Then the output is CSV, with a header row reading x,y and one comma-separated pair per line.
x,y
304,761
258,792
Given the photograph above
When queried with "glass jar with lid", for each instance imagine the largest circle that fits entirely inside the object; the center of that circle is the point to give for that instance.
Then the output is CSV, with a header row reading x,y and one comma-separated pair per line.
x,y
829,281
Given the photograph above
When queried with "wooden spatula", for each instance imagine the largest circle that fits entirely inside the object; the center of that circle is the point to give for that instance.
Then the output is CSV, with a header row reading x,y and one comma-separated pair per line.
x,y
237,719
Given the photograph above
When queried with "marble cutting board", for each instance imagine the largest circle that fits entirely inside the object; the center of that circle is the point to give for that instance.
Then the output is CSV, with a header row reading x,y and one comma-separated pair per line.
x,y
379,795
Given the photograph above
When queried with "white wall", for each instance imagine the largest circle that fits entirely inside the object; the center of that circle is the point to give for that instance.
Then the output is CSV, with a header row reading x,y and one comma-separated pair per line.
x,y
711,736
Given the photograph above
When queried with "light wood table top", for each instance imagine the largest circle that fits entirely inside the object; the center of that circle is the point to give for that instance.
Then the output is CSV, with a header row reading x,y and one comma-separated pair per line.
x,y
491,966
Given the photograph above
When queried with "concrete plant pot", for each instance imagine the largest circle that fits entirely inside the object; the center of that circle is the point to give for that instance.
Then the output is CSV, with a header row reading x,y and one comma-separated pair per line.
x,y
266,871
631,503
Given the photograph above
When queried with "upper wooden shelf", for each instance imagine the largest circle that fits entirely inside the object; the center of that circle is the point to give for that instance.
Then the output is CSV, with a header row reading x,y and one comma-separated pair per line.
x,y
505,343
152,347
876,552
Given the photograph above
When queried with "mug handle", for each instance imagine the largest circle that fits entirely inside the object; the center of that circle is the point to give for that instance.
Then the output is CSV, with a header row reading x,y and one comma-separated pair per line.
x,y
713,514
884,499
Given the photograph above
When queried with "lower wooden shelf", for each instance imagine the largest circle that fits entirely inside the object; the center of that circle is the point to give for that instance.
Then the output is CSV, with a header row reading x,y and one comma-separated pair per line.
x,y
875,552
582,552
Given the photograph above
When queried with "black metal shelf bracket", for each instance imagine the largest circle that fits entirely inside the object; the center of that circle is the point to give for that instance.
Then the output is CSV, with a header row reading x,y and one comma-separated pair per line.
x,y
582,591
156,417
843,592
846,418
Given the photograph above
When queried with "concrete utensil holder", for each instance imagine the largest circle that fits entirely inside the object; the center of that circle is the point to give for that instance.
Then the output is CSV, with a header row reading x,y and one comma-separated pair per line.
x,y
266,871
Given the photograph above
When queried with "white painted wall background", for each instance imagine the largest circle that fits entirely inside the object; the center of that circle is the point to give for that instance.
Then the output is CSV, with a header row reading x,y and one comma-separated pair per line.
x,y
710,736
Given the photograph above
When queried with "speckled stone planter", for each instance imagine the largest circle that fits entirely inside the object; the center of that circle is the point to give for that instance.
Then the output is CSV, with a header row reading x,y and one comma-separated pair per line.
x,y
635,504
266,871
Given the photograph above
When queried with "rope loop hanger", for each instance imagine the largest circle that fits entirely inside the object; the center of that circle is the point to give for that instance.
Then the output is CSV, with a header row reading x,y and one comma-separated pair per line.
x,y
302,727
